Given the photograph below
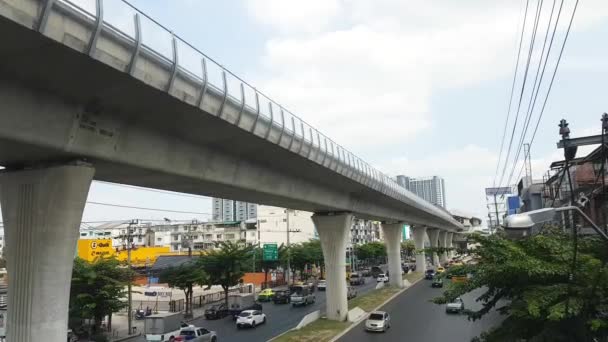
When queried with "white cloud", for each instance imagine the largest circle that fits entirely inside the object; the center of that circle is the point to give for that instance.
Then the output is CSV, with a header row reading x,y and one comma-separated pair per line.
x,y
294,16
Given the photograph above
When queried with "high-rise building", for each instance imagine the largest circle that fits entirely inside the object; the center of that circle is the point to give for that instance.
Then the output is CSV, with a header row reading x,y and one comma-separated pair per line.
x,y
225,210
431,189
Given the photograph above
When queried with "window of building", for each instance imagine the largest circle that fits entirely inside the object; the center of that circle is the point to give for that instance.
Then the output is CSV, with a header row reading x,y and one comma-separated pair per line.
x,y
140,239
140,231
175,237
159,239
175,229
263,221
175,248
219,236
81,234
209,236
229,236
284,220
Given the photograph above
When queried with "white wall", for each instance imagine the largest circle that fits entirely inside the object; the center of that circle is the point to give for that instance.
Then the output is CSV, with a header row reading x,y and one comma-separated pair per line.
x,y
273,225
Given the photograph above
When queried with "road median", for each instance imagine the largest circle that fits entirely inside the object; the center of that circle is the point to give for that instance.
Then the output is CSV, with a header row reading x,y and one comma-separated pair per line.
x,y
324,330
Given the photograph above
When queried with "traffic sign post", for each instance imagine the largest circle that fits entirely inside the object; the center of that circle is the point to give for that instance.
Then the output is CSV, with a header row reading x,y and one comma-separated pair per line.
x,y
271,252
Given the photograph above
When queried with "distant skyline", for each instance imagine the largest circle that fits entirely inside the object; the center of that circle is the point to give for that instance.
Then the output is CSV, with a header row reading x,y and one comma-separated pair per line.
x,y
411,87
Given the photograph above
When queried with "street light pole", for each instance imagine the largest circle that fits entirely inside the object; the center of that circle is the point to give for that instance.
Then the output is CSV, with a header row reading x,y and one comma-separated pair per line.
x,y
288,251
129,241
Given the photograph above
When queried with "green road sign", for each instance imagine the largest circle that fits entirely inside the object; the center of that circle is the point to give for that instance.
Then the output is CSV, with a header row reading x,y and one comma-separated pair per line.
x,y
271,252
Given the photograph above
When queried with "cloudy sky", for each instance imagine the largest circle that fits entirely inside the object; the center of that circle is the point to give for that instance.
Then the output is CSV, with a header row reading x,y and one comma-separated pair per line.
x,y
418,88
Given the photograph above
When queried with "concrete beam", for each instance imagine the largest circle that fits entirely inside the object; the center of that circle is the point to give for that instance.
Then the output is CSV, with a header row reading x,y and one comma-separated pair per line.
x,y
393,233
42,210
433,234
418,233
334,233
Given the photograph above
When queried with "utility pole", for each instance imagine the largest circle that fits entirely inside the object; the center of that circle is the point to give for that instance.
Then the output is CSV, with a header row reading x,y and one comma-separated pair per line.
x,y
129,242
496,209
288,251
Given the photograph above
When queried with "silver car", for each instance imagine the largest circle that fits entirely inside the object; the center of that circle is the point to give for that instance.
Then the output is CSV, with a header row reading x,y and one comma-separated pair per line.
x,y
378,321
196,334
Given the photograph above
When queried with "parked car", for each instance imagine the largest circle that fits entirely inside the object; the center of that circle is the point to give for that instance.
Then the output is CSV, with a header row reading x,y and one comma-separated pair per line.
x,y
196,334
322,285
351,292
356,279
217,311
266,295
250,318
437,282
281,297
71,336
456,306
378,321
429,274
301,295
382,278
375,271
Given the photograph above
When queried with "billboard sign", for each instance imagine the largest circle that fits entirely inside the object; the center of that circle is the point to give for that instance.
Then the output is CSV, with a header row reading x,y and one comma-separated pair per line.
x,y
498,191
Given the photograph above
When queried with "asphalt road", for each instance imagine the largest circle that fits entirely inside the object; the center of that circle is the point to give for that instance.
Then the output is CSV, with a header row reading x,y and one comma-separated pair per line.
x,y
279,318
414,318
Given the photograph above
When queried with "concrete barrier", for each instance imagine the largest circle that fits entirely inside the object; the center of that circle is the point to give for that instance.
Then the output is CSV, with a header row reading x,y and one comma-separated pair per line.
x,y
306,320
356,314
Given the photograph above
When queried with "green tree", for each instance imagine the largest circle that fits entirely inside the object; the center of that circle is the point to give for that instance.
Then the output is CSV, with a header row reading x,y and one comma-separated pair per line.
x,y
184,277
98,289
408,247
371,252
532,283
305,254
225,266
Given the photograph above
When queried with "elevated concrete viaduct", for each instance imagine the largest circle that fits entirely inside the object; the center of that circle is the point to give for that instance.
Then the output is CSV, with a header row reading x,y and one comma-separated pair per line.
x,y
82,100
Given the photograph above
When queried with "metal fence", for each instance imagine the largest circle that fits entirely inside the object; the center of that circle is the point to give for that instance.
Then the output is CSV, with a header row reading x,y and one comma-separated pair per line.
x,y
147,36
202,300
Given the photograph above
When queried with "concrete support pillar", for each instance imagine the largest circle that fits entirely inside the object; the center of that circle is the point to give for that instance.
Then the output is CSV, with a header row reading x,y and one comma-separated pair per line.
x,y
443,238
450,237
434,239
418,233
393,234
334,232
42,210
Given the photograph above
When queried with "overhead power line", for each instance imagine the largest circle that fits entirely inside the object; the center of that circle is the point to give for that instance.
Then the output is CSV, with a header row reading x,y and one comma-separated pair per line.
x,y
504,132
554,74
523,88
150,209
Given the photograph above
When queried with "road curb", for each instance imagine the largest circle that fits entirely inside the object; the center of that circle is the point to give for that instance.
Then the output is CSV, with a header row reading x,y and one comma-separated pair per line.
x,y
352,326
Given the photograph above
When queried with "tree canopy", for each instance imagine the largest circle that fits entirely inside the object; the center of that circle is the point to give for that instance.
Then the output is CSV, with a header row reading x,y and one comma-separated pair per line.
x,y
225,266
531,282
371,252
98,289
184,277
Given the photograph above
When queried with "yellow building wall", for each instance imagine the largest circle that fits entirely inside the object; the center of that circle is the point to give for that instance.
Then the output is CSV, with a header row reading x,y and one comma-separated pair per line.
x,y
89,250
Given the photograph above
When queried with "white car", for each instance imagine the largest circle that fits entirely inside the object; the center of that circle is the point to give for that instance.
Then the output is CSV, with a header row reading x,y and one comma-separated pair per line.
x,y
382,278
456,306
322,285
195,334
378,321
250,318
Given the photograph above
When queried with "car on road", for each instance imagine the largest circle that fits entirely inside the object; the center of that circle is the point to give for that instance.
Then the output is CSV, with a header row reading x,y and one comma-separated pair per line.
x,y
351,292
250,318
437,282
196,334
378,321
375,271
429,274
366,272
382,278
217,311
322,285
281,297
356,279
266,295
440,269
455,306
301,295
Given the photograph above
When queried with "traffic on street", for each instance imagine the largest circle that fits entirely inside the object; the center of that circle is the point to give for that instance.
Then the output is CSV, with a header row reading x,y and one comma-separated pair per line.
x,y
279,318
414,318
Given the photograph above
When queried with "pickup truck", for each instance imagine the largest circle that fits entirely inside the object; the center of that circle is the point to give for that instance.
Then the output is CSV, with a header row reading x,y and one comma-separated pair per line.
x,y
196,334
456,306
